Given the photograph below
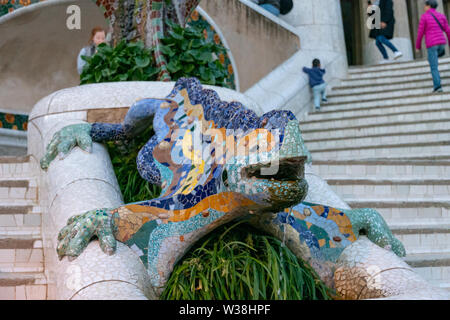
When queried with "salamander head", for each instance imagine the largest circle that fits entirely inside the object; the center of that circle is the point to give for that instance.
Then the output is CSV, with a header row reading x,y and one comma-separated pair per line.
x,y
271,173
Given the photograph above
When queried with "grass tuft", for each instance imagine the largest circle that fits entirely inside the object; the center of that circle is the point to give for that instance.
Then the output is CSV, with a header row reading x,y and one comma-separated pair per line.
x,y
238,262
123,157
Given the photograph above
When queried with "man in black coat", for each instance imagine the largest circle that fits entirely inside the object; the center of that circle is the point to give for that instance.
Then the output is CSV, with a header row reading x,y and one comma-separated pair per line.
x,y
385,32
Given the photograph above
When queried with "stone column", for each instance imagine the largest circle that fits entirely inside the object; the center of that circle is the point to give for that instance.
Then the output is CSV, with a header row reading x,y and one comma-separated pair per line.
x,y
402,37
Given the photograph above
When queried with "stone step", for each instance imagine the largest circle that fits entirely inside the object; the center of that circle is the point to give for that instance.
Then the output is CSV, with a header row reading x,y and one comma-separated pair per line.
x,y
15,167
423,157
406,188
18,189
403,211
377,130
18,220
440,227
424,242
373,141
23,286
433,267
435,276
381,81
25,241
328,114
13,142
410,150
398,203
391,101
397,65
415,215
375,96
11,159
408,95
435,99
21,253
423,238
382,169
29,221
426,82
376,120
405,72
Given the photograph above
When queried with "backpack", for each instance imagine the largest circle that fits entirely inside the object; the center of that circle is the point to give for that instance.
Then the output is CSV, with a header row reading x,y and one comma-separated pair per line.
x,y
286,6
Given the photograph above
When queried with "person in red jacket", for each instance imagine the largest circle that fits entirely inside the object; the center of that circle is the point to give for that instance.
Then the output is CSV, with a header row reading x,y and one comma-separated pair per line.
x,y
433,25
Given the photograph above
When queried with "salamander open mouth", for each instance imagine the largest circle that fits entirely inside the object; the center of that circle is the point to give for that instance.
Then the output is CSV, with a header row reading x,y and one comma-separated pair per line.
x,y
289,169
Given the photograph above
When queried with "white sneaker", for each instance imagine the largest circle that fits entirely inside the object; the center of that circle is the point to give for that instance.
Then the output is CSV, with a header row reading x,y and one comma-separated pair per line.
x,y
398,55
384,61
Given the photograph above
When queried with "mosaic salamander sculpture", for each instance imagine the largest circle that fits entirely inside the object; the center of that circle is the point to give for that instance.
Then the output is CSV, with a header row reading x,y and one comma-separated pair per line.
x,y
216,162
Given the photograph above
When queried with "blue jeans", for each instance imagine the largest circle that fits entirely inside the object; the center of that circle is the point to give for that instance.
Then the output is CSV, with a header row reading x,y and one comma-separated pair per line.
x,y
434,63
382,40
273,10
320,93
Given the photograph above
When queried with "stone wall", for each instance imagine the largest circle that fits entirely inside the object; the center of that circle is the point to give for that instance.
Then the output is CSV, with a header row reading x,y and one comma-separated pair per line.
x,y
258,44
39,53
319,25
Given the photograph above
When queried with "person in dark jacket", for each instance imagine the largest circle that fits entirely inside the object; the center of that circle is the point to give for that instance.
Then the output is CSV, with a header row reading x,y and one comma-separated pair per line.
x,y
317,83
273,6
385,32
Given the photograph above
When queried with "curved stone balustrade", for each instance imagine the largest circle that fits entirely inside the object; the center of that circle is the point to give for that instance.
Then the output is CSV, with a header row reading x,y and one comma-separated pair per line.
x,y
366,271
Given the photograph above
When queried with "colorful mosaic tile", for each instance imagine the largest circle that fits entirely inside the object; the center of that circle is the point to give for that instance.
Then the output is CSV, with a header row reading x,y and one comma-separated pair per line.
x,y
13,121
8,6
319,234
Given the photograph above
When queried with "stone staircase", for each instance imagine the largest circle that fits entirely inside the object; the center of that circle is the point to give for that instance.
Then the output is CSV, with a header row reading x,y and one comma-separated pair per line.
x,y
383,141
21,250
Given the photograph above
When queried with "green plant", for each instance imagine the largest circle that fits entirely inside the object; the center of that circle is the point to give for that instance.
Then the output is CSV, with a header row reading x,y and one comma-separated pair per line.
x,y
189,54
187,51
128,61
238,262
123,156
